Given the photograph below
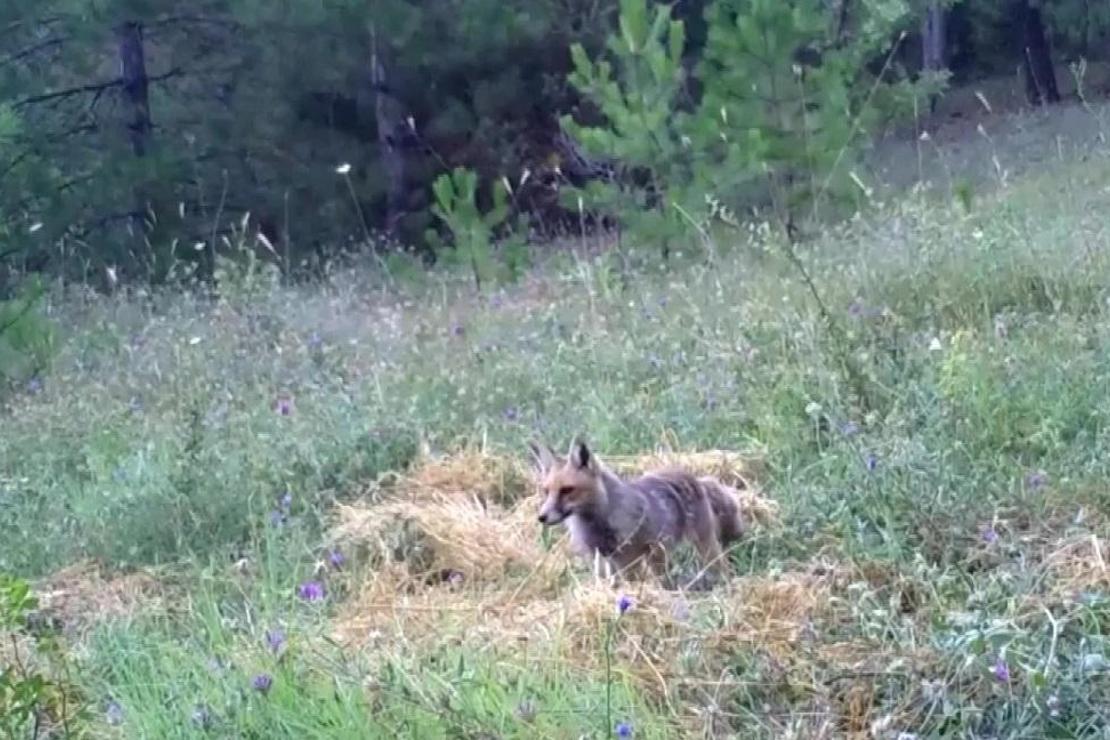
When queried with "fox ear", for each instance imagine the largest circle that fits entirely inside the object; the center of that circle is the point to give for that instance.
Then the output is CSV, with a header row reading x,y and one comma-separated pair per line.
x,y
542,457
580,456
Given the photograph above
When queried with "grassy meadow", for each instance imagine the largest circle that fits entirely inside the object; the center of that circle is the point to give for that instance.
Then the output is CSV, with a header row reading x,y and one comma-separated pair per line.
x,y
305,512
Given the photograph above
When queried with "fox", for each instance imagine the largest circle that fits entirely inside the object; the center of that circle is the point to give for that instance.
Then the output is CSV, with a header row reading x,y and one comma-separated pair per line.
x,y
634,522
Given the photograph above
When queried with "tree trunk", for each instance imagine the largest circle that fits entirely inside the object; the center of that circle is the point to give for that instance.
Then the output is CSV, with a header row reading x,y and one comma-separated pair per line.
x,y
1085,37
392,129
1040,75
135,86
932,43
391,135
129,36
840,21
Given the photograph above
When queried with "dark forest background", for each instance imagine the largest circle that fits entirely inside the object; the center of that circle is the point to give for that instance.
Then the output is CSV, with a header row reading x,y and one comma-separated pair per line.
x,y
140,139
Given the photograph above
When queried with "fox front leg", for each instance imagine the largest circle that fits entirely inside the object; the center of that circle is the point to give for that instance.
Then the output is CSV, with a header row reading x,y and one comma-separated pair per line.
x,y
603,569
636,563
714,565
657,564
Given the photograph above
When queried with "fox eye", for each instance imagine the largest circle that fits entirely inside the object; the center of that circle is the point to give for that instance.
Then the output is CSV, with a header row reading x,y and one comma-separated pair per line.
x,y
566,490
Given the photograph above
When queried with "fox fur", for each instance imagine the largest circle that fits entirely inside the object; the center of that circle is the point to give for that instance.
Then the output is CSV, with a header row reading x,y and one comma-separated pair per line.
x,y
635,522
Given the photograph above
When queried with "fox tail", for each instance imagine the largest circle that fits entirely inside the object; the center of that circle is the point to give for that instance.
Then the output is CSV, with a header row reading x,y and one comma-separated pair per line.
x,y
722,499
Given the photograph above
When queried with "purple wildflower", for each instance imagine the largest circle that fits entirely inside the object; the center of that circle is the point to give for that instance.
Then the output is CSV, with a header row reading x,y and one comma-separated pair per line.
x,y
458,330
624,603
510,413
113,713
624,729
34,386
275,640
311,591
1036,479
988,534
315,340
262,683
336,558
849,429
855,310
872,462
276,519
286,502
284,405
1001,671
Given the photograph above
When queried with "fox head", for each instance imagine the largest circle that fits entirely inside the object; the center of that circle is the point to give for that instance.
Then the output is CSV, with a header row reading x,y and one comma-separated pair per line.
x,y
567,486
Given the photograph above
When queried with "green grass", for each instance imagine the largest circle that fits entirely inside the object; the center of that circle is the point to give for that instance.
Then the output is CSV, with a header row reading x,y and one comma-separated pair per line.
x,y
201,686
983,339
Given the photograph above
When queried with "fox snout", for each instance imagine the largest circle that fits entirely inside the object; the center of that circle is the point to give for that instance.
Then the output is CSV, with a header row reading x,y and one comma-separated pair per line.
x,y
551,513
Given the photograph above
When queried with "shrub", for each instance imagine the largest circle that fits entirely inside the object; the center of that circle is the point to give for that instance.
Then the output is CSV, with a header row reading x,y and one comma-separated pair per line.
x,y
26,336
776,130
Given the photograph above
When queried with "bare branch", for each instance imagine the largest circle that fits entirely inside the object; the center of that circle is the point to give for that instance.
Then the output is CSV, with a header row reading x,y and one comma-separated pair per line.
x,y
95,87
206,20
15,56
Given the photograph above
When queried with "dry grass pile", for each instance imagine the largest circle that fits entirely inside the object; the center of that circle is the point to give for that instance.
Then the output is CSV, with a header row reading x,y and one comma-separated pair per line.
x,y
449,535
74,600
451,514
84,594
679,648
666,638
473,514
1068,550
457,558
1078,564
468,473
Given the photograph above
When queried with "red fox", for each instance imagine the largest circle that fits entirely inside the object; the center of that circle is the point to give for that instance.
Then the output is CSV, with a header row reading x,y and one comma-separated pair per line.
x,y
630,522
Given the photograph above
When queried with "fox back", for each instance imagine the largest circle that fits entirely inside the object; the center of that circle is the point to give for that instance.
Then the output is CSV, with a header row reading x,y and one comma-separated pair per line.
x,y
626,521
